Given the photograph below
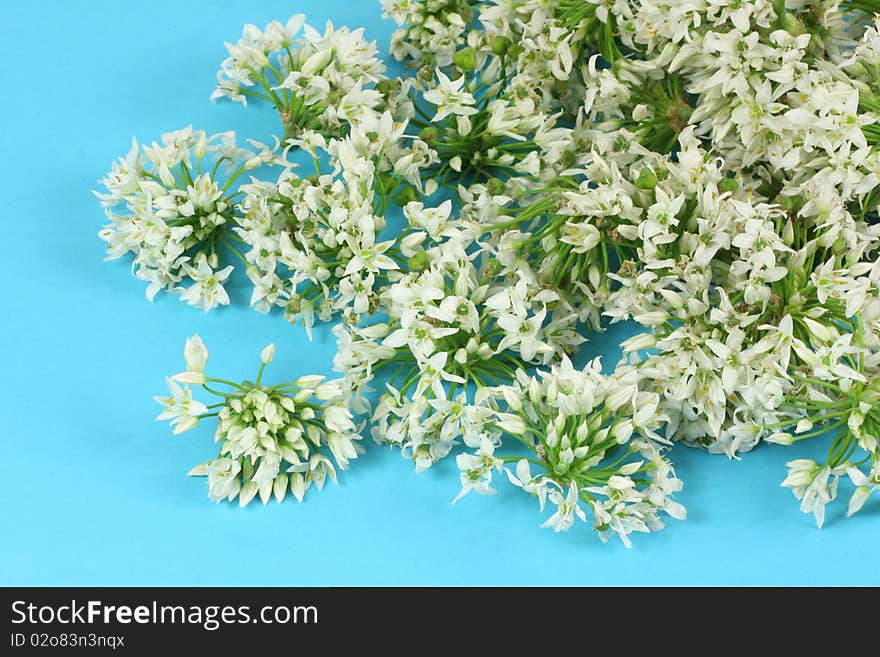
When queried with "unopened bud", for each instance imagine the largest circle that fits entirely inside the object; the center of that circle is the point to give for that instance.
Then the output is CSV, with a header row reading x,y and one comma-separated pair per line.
x,y
646,179
727,185
268,353
465,59
500,45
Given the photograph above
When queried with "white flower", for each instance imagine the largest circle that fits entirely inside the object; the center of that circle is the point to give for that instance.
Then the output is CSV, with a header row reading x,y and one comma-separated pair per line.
x,y
535,486
434,373
476,469
223,478
181,408
342,447
567,508
865,485
207,291
449,97
815,486
371,257
524,332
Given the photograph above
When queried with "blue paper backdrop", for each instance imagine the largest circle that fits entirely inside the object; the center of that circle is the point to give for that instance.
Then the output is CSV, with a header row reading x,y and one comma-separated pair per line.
x,y
95,492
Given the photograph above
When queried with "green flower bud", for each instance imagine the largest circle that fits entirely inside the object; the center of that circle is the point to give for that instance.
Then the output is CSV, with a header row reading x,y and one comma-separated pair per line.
x,y
385,87
418,261
792,203
500,45
728,185
493,267
495,186
792,25
646,179
465,59
429,135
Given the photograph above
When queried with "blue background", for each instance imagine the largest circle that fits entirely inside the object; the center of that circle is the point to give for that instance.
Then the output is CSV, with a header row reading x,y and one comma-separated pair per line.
x,y
95,492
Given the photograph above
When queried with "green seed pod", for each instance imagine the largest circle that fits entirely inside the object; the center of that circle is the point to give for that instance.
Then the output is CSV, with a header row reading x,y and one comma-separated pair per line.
x,y
646,179
429,135
792,203
465,59
500,45
495,186
385,87
493,267
792,25
418,261
728,185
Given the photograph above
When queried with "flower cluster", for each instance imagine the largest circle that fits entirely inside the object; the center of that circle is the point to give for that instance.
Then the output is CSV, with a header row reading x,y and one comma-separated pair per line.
x,y
317,82
272,438
594,440
453,331
171,205
314,242
707,172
